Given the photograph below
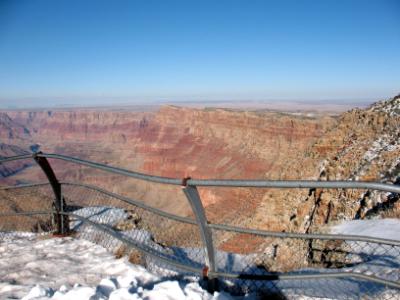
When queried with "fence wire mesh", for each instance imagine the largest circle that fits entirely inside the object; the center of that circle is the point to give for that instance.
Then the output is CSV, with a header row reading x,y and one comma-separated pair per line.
x,y
317,288
26,209
163,237
251,254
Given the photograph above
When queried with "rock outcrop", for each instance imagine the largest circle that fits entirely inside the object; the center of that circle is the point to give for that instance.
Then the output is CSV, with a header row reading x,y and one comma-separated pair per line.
x,y
368,149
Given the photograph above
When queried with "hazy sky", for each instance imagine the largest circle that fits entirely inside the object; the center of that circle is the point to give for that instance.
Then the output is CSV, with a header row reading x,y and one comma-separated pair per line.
x,y
96,52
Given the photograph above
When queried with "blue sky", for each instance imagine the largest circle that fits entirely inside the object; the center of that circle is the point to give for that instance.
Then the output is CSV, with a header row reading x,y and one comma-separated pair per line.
x,y
97,52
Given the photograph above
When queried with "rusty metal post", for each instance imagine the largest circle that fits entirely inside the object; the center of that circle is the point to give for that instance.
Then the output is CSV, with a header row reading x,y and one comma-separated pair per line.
x,y
61,220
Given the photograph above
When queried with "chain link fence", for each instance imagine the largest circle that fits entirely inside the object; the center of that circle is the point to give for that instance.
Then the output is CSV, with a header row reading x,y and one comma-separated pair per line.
x,y
27,209
245,261
148,230
326,265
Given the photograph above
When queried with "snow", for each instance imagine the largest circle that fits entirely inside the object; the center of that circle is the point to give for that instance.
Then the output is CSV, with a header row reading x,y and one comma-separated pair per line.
x,y
36,266
386,142
372,259
379,228
12,236
391,107
39,267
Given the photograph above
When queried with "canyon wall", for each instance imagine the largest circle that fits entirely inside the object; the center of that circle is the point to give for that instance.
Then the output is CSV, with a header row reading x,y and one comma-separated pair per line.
x,y
365,146
15,139
177,142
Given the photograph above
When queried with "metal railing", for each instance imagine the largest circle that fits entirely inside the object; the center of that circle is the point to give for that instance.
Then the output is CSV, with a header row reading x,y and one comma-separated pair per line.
x,y
192,245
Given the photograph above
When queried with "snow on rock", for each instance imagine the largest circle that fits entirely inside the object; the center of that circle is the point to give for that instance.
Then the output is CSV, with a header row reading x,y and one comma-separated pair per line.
x,y
67,268
77,293
379,228
391,107
383,143
37,292
165,290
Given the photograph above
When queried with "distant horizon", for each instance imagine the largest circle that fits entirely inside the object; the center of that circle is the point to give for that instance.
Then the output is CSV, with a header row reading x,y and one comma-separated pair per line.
x,y
217,103
88,102
79,101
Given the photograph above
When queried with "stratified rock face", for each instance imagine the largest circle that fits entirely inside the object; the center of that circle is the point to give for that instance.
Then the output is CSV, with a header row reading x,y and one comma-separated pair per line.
x,y
15,139
11,168
53,129
12,132
179,142
224,144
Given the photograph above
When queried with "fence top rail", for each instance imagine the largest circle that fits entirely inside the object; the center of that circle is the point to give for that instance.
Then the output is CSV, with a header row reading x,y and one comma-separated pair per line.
x,y
16,157
220,182
25,185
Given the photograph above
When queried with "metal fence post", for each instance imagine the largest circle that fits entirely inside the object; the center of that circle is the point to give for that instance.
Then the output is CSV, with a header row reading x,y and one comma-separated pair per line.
x,y
59,203
195,202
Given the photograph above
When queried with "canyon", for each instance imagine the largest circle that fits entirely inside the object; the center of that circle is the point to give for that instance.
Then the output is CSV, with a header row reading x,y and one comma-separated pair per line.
x,y
361,144
173,142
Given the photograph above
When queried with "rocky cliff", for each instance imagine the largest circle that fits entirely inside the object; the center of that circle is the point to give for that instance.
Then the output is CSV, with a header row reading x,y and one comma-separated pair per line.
x,y
15,139
367,148
363,145
178,142
218,143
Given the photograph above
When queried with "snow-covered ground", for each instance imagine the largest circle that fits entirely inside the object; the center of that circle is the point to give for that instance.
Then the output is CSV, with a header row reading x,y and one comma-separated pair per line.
x,y
34,266
43,267
38,267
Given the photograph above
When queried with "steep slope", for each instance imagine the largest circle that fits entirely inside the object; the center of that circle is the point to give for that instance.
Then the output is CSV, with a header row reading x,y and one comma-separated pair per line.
x,y
178,142
12,132
364,146
15,139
